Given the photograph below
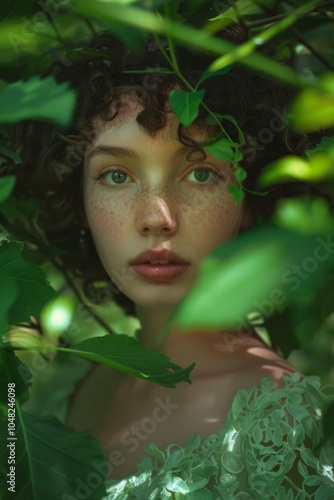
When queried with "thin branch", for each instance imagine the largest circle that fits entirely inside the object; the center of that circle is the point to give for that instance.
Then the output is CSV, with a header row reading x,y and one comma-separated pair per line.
x,y
44,250
268,20
90,26
56,30
310,47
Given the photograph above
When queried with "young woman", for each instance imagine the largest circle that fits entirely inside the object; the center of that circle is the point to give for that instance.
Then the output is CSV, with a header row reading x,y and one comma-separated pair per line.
x,y
148,204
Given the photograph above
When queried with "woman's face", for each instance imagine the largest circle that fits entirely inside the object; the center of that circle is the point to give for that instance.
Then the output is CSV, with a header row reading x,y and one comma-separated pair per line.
x,y
150,197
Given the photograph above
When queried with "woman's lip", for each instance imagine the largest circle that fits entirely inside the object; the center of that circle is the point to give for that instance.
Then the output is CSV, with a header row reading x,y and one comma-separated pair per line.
x,y
160,272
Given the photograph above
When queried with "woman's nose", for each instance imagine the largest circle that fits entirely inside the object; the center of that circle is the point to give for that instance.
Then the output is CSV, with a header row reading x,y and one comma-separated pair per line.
x,y
156,216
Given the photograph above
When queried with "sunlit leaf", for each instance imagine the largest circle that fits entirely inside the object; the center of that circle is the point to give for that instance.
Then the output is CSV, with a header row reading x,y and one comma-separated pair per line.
x,y
256,268
304,214
291,168
314,107
57,314
186,104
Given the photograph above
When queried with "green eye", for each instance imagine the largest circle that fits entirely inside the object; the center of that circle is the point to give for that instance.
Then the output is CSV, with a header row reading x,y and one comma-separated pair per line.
x,y
205,175
201,174
116,177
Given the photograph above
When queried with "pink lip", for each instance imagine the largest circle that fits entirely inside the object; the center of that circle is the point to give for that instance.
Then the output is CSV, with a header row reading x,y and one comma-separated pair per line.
x,y
164,254
160,272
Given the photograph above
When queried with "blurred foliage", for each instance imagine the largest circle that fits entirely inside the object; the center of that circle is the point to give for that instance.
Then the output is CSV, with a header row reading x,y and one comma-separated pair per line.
x,y
283,273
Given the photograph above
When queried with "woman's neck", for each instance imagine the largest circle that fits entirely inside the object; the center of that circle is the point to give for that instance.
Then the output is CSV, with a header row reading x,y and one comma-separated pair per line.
x,y
211,351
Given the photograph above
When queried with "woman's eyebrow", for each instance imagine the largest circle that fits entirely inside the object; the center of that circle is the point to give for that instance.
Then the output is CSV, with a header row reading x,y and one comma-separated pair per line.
x,y
104,150
118,151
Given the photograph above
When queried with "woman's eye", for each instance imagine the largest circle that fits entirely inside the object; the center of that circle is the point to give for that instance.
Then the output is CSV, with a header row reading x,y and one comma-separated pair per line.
x,y
115,177
205,175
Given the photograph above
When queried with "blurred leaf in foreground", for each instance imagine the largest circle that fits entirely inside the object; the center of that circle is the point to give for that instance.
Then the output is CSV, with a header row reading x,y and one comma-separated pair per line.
x,y
260,270
319,167
39,98
314,106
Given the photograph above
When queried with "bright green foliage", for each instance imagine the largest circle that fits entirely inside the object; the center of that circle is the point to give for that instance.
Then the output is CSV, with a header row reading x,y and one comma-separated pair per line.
x,y
43,99
304,214
284,273
52,461
186,104
318,167
128,355
314,106
256,267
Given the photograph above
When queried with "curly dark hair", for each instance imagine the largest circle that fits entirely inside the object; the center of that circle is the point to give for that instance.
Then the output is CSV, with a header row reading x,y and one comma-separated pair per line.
x,y
53,159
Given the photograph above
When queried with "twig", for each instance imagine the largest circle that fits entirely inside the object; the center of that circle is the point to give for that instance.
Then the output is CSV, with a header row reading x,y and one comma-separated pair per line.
x,y
43,248
56,30
268,20
310,47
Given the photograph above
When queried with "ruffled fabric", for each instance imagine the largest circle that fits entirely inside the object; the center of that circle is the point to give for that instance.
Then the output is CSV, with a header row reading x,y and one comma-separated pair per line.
x,y
271,447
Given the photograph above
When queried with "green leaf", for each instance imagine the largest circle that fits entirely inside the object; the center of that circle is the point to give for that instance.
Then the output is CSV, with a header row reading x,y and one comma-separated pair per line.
x,y
128,355
319,167
237,193
53,461
32,288
6,186
324,146
225,290
14,371
252,273
5,152
314,107
8,297
240,174
186,104
304,214
211,74
38,98
221,149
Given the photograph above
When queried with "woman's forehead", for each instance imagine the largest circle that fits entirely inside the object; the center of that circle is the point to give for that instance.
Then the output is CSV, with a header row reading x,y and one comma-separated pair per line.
x,y
128,106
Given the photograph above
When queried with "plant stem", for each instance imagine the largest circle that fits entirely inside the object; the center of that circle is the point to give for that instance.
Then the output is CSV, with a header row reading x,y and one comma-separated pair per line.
x,y
310,47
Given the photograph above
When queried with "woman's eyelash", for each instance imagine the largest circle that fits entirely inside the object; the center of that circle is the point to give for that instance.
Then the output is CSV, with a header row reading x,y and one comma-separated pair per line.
x,y
213,169
102,174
